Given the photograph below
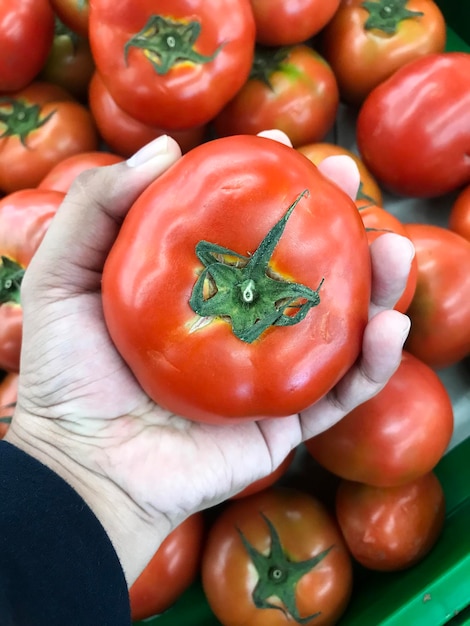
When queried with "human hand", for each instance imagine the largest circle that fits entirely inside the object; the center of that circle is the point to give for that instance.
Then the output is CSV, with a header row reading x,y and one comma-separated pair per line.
x,y
81,412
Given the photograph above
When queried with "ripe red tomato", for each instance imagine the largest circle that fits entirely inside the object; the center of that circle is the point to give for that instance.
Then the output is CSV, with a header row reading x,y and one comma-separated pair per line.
x,y
251,296
73,13
395,437
369,191
292,89
283,22
174,63
40,126
25,216
62,175
378,221
459,217
440,309
267,481
391,528
276,558
124,134
172,569
8,396
26,33
397,134
69,63
366,42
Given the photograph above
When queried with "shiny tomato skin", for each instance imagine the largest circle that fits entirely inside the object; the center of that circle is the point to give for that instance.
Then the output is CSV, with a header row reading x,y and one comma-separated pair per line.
x,y
172,569
26,33
283,23
305,529
25,216
62,175
267,481
378,221
459,217
124,134
397,135
391,528
8,397
60,126
440,309
369,190
74,13
173,91
300,98
233,191
395,437
364,57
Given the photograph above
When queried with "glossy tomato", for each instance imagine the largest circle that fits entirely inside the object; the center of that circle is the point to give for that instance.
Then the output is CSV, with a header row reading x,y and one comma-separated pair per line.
x,y
269,480
459,217
26,33
172,569
440,309
391,528
276,558
8,397
25,216
378,221
239,284
124,134
40,126
367,41
398,135
292,89
69,63
175,63
62,175
74,13
283,22
369,190
395,437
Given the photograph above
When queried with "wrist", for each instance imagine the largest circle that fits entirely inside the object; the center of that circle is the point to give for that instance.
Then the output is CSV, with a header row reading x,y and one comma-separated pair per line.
x,y
134,534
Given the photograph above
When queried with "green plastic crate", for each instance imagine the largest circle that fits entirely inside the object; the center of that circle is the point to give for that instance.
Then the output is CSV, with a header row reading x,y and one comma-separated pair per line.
x,y
437,590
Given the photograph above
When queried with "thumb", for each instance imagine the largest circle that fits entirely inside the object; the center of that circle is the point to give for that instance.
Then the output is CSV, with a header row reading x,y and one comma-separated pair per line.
x,y
72,254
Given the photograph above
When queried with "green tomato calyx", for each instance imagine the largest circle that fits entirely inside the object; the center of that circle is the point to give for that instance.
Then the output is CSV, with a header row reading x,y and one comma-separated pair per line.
x,y
11,276
20,118
243,290
167,43
386,15
278,575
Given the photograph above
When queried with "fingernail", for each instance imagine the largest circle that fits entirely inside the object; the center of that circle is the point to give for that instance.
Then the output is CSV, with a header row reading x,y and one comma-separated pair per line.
x,y
406,328
154,148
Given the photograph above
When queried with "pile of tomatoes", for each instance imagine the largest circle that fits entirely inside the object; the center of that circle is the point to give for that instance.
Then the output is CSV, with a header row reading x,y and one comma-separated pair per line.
x,y
86,84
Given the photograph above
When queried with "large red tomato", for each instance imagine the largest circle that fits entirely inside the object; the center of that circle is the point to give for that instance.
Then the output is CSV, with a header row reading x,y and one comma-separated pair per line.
x,y
292,89
122,133
239,284
8,397
172,63
25,216
391,528
276,558
459,217
440,309
395,437
172,569
283,22
367,41
40,126
413,130
26,33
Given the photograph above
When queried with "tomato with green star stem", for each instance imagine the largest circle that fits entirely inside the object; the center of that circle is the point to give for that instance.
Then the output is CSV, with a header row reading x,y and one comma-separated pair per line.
x,y
39,126
366,41
173,63
276,558
239,284
25,216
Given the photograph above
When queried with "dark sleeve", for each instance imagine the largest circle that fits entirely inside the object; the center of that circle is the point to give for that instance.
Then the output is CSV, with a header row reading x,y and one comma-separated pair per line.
x,y
57,564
